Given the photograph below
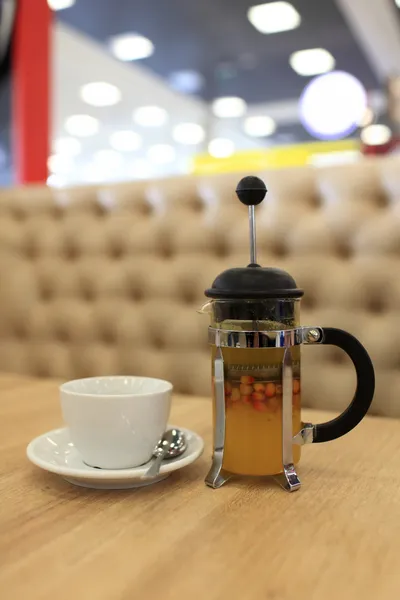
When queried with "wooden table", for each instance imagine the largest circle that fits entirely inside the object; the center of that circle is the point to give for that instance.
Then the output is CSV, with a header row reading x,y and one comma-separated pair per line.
x,y
337,538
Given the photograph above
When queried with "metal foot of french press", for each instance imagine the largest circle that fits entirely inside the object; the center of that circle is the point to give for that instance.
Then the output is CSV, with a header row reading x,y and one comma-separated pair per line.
x,y
217,476
289,479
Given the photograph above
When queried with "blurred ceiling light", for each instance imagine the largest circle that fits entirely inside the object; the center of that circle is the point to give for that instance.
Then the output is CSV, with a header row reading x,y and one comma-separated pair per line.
x,y
141,169
161,154
56,181
150,116
376,135
259,126
397,2
187,82
332,105
274,17
131,46
109,159
221,148
188,133
312,62
67,145
100,93
125,141
60,4
229,107
59,164
82,125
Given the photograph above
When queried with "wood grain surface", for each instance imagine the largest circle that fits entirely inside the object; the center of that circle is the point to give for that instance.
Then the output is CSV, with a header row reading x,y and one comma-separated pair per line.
x,y
338,537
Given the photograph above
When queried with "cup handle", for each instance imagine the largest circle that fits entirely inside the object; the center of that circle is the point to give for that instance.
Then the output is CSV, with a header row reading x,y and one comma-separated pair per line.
x,y
357,409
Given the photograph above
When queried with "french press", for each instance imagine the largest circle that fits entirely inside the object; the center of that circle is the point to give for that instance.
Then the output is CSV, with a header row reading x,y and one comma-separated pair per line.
x,y
255,337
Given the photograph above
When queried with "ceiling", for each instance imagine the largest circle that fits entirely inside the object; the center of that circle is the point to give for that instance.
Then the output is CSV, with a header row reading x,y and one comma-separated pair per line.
x,y
215,38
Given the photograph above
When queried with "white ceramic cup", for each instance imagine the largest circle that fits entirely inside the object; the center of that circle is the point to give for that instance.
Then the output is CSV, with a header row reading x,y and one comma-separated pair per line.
x,y
116,422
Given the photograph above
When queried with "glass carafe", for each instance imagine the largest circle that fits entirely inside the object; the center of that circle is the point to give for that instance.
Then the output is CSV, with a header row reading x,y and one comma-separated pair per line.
x,y
255,337
253,386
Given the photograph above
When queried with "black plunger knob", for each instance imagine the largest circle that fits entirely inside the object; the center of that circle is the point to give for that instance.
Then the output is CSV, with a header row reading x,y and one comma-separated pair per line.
x,y
251,190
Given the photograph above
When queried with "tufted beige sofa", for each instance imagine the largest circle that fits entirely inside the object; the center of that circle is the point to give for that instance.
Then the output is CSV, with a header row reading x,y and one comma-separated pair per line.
x,y
102,280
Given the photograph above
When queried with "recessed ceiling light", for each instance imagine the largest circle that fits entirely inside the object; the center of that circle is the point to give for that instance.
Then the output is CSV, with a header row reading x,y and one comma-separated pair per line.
x,y
150,116
376,135
57,163
398,3
161,154
189,133
259,126
60,4
332,105
82,125
312,62
67,145
131,46
221,148
187,82
229,107
100,93
109,159
125,141
274,17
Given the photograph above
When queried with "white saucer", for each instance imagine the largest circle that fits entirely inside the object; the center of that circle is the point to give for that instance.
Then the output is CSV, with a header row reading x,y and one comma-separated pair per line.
x,y
54,452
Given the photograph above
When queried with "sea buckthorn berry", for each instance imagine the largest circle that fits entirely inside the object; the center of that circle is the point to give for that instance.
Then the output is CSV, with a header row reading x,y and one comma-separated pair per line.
x,y
296,386
259,387
270,390
260,406
228,388
258,397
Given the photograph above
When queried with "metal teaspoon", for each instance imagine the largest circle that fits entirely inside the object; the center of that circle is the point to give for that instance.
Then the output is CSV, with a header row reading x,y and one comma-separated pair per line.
x,y
171,445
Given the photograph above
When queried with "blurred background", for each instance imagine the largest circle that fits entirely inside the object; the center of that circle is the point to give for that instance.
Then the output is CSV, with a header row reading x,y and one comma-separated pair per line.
x,y
139,90
98,92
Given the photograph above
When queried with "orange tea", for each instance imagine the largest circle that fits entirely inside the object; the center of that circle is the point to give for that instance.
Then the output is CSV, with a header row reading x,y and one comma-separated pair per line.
x,y
253,409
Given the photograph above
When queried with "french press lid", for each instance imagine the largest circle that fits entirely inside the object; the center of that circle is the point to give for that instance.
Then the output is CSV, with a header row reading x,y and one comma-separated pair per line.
x,y
253,282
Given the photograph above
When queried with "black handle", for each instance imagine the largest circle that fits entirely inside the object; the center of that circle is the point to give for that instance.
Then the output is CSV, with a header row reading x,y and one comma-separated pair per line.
x,y
364,394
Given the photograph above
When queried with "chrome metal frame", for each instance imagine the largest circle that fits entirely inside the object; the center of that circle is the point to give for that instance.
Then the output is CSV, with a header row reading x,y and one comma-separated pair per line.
x,y
216,477
289,479
305,435
284,338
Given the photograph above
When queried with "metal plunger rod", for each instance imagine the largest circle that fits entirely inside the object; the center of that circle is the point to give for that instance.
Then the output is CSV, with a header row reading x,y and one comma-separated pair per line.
x,y
253,235
251,191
